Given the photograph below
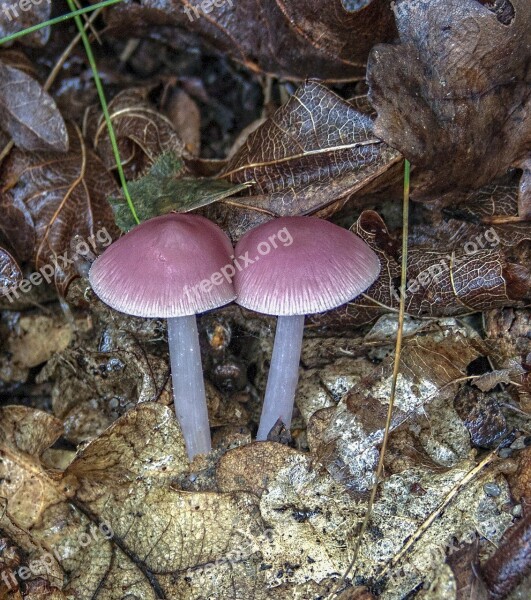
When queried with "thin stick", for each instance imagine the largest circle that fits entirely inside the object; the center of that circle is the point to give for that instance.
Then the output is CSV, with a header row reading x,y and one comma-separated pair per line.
x,y
105,109
396,368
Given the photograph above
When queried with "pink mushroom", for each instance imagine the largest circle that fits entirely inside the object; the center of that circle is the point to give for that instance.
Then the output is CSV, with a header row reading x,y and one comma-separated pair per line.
x,y
172,267
324,267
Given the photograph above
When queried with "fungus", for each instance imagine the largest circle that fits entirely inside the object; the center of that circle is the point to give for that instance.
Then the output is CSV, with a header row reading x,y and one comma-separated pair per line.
x,y
324,267
172,267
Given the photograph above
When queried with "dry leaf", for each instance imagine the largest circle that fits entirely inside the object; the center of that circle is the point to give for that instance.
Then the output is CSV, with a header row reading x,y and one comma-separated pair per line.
x,y
309,157
281,37
48,198
142,133
453,96
29,114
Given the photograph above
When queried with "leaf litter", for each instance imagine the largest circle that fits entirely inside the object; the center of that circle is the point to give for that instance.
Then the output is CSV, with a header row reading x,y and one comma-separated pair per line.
x,y
98,497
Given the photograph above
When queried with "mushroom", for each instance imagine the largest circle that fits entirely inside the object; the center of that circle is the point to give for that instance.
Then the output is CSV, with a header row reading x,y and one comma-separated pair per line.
x,y
174,267
322,267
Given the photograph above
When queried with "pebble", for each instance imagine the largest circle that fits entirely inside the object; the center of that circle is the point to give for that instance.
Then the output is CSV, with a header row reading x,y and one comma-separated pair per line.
x,y
492,489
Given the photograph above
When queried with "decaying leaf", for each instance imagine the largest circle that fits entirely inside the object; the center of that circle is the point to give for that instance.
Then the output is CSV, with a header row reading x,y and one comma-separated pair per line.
x,y
144,536
432,364
280,37
453,96
48,198
169,187
473,271
141,131
29,114
312,154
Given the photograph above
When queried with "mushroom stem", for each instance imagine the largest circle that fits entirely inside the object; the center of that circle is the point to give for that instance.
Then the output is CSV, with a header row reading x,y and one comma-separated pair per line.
x,y
188,384
283,375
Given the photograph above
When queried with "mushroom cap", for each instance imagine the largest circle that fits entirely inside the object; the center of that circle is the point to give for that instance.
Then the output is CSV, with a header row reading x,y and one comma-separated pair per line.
x,y
161,268
323,267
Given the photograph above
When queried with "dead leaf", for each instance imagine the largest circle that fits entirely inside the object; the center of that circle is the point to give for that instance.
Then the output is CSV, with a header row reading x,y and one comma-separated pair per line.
x,y
48,198
185,115
37,338
142,132
280,37
14,19
463,269
309,157
29,114
453,96
432,363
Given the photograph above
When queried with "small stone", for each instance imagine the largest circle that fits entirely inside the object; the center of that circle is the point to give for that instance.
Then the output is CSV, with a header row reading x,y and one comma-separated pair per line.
x,y
517,510
505,453
518,444
492,489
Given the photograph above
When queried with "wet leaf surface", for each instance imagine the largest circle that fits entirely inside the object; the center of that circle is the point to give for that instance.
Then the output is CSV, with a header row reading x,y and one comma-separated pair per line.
x,y
13,19
10,273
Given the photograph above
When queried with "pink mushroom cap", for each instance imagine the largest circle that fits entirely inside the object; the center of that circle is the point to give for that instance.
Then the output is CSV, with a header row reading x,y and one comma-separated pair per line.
x,y
322,268
165,267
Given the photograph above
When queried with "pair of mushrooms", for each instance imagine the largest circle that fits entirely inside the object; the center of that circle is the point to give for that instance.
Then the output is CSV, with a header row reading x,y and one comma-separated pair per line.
x,y
178,265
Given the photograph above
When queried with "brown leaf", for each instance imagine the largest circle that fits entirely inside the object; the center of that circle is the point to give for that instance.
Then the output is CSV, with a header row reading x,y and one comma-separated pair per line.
x,y
29,114
48,198
185,115
250,468
141,131
453,96
461,269
464,563
286,38
310,156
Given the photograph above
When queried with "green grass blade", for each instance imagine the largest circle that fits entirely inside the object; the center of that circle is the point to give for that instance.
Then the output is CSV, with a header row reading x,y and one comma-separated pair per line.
x,y
105,109
54,21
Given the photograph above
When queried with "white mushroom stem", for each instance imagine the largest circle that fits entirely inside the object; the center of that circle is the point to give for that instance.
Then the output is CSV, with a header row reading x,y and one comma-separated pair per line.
x,y
283,375
188,384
